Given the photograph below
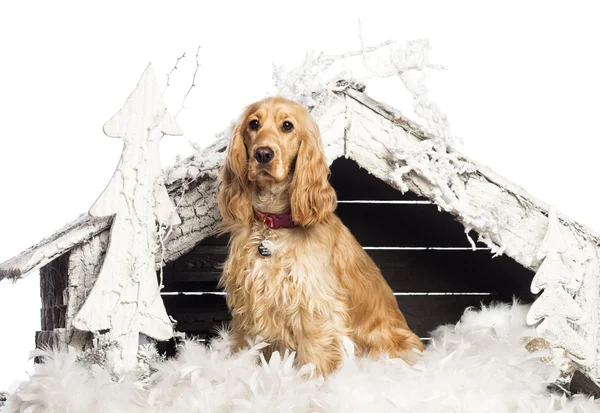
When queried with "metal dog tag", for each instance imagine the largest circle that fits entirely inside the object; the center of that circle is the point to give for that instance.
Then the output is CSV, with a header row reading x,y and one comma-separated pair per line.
x,y
265,248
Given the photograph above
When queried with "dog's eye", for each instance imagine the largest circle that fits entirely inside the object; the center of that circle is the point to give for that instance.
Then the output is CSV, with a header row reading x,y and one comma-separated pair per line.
x,y
253,124
287,126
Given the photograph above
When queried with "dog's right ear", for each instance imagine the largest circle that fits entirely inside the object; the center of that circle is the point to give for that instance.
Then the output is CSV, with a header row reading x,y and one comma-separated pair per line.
x,y
235,197
313,198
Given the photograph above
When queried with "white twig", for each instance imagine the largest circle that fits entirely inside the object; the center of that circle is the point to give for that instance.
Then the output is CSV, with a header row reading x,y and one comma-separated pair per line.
x,y
171,72
163,234
192,85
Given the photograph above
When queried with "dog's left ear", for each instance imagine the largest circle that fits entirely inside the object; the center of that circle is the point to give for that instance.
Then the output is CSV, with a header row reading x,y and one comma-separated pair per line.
x,y
313,198
235,200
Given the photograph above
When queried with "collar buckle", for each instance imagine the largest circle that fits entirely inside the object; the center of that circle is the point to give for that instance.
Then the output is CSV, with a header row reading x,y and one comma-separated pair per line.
x,y
268,221
275,221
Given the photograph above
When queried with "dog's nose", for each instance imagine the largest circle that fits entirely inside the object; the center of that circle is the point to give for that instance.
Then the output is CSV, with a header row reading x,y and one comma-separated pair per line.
x,y
264,154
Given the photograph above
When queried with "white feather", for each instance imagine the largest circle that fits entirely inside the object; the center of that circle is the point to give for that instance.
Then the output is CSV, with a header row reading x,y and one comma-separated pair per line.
x,y
478,365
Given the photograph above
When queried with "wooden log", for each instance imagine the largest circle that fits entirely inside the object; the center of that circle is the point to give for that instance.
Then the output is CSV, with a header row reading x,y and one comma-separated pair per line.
x,y
85,262
53,282
199,214
60,316
45,322
53,318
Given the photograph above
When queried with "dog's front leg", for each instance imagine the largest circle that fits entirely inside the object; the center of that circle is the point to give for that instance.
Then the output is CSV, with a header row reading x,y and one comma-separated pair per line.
x,y
320,344
239,335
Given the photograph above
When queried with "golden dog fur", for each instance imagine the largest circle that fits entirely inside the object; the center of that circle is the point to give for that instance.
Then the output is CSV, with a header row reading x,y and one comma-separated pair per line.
x,y
319,284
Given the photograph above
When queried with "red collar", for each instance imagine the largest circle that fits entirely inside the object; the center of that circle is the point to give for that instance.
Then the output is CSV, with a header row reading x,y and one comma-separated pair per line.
x,y
275,221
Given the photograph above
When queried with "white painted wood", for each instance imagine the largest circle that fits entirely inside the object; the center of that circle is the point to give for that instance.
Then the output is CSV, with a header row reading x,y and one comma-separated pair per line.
x,y
125,299
556,307
553,272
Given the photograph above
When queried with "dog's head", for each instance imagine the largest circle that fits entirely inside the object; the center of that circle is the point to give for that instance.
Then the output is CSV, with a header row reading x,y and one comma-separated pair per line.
x,y
276,142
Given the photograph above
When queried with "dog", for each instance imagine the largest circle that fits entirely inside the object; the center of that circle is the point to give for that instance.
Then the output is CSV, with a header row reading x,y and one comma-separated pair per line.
x,y
295,276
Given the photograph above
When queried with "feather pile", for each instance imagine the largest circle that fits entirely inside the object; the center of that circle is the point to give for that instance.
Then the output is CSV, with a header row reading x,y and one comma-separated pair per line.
x,y
478,365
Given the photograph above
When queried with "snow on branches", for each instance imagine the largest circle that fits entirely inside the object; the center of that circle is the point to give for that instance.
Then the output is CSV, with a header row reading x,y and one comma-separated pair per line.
x,y
311,83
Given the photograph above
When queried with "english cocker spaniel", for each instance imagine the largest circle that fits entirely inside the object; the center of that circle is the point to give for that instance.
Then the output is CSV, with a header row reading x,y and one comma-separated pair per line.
x,y
295,275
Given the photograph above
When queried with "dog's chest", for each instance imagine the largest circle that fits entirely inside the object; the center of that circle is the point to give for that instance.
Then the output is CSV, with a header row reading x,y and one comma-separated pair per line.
x,y
295,281
295,271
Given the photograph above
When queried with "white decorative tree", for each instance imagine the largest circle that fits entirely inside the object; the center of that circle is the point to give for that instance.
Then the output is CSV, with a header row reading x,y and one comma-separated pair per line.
x,y
125,299
556,306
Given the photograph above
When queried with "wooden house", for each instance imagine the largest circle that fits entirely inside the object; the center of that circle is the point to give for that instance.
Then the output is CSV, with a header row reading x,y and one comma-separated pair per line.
x,y
455,235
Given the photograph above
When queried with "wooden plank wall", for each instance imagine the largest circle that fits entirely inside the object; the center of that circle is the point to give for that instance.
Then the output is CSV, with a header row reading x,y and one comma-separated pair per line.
x,y
53,282
422,252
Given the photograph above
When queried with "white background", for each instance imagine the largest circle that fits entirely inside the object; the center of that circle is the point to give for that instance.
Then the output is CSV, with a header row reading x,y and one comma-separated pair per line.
x,y
521,88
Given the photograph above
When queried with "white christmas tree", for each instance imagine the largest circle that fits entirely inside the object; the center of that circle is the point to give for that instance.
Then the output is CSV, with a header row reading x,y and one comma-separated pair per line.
x,y
555,307
125,300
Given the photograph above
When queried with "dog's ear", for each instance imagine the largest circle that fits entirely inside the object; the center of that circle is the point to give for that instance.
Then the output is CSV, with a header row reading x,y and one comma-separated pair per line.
x,y
313,199
235,198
